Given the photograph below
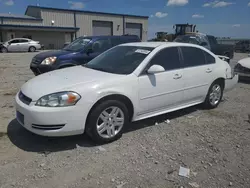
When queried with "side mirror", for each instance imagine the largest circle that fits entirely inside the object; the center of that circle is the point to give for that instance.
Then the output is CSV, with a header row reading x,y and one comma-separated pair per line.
x,y
89,51
155,69
203,44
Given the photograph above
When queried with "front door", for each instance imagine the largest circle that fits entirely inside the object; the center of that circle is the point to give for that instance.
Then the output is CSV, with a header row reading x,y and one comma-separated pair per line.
x,y
162,91
198,73
13,45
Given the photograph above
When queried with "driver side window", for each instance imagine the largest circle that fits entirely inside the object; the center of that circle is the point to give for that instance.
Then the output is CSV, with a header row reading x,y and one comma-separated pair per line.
x,y
14,41
101,45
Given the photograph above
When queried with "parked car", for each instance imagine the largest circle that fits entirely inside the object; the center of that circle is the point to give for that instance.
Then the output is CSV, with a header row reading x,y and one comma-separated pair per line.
x,y
20,45
242,68
79,52
209,42
243,46
129,82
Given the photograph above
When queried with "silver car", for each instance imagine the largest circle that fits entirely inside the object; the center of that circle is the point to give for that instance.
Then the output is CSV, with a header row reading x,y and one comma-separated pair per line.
x,y
20,45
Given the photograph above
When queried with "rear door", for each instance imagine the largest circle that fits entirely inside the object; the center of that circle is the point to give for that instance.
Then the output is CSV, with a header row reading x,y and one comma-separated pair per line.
x,y
198,73
23,45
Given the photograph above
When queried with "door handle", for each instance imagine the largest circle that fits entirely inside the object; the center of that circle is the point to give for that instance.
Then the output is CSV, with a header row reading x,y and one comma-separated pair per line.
x,y
208,70
177,76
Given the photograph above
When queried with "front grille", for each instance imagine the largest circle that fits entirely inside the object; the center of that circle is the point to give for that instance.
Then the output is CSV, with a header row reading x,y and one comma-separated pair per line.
x,y
47,127
24,98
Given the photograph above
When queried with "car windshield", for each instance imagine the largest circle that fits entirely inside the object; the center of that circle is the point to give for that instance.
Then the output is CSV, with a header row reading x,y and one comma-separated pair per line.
x,y
120,59
77,44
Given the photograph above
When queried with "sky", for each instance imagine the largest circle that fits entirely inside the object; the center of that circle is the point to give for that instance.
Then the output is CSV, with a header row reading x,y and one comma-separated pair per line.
x,y
228,18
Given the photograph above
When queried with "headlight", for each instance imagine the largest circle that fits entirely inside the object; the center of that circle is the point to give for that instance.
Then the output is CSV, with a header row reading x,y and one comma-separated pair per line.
x,y
60,99
49,61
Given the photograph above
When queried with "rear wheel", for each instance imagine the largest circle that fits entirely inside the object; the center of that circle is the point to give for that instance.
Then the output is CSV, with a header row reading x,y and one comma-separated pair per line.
x,y
107,120
214,95
32,49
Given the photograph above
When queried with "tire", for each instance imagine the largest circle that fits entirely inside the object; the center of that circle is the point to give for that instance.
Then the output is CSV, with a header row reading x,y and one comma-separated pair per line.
x,y
94,120
32,49
209,103
4,50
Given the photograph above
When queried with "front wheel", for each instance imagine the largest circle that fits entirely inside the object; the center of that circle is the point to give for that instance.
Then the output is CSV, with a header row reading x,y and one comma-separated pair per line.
x,y
214,95
107,120
4,50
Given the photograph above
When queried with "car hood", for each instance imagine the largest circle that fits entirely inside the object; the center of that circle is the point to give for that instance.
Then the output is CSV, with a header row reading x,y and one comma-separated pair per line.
x,y
64,80
55,53
245,62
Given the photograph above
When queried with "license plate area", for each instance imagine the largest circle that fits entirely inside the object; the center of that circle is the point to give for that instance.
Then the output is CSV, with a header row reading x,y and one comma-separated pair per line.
x,y
20,117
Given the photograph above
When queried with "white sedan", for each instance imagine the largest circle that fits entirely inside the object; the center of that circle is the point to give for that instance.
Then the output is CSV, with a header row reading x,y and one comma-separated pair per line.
x,y
129,82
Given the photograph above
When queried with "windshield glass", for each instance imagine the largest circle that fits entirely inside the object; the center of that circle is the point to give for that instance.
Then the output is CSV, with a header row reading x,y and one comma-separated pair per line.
x,y
120,60
77,44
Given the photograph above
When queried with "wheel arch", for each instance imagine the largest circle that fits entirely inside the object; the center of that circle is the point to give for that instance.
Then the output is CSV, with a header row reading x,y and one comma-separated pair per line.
x,y
220,80
119,97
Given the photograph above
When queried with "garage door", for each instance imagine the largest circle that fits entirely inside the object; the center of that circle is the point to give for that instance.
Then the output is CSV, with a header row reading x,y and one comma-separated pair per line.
x,y
134,29
102,28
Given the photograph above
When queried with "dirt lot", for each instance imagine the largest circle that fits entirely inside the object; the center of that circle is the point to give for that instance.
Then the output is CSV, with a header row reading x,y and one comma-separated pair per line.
x,y
213,144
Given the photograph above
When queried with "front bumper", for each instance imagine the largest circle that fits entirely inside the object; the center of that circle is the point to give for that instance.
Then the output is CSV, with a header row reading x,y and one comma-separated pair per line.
x,y
40,69
49,121
242,71
230,83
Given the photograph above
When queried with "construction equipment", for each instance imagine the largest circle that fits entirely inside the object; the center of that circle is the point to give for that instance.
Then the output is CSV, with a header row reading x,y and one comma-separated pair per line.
x,y
179,29
182,29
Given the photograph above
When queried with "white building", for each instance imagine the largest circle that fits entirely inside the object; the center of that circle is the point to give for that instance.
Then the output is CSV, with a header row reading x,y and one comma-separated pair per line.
x,y
53,27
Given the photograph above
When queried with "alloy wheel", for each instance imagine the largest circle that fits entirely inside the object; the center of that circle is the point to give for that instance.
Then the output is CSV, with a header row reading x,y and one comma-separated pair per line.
x,y
215,94
110,122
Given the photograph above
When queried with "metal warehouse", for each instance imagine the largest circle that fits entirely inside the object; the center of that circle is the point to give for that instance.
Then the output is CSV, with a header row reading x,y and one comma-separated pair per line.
x,y
53,27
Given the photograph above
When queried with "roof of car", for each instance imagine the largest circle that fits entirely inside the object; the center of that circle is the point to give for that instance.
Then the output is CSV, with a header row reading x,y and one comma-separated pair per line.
x,y
157,44
108,36
20,38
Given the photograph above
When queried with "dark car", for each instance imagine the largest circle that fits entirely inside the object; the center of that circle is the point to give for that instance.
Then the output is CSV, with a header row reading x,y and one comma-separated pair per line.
x,y
209,42
243,46
220,49
79,52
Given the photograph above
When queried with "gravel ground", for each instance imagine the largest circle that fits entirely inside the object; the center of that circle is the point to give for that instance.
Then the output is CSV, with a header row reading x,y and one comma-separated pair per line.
x,y
213,144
